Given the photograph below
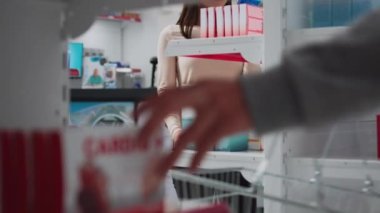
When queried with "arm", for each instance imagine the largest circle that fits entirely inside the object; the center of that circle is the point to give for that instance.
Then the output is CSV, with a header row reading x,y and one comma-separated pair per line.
x,y
167,77
319,83
250,69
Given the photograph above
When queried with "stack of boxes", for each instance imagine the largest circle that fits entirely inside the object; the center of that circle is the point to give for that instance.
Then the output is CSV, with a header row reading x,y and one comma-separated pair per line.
x,y
232,20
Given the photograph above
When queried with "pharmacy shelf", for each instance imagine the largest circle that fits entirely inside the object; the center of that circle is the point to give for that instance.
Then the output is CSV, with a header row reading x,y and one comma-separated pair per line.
x,y
225,160
337,168
296,38
243,48
111,95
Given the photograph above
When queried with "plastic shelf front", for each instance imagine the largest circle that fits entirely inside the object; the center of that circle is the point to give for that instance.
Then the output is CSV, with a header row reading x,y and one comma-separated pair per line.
x,y
335,168
244,48
225,160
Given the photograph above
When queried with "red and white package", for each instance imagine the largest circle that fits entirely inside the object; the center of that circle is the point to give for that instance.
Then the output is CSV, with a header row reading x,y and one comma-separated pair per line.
x,y
74,170
211,16
104,170
227,21
204,23
219,21
235,20
251,19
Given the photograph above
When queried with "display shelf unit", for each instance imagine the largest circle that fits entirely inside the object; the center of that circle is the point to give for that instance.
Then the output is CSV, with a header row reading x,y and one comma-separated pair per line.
x,y
226,160
339,168
221,160
111,95
243,48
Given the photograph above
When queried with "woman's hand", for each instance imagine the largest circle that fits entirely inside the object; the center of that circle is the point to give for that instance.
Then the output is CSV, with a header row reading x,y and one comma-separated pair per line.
x,y
176,135
220,110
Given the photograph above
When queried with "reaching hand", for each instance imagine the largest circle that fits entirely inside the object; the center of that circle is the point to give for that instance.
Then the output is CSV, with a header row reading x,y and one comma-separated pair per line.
x,y
220,111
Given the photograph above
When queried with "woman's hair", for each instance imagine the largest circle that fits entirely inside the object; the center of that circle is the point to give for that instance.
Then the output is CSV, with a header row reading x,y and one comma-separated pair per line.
x,y
190,17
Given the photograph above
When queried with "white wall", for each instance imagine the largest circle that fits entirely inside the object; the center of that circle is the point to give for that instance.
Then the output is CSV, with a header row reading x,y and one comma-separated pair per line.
x,y
140,39
105,35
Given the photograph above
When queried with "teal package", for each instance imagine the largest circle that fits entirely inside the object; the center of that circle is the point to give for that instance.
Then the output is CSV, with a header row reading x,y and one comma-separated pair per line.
x,y
234,143
360,7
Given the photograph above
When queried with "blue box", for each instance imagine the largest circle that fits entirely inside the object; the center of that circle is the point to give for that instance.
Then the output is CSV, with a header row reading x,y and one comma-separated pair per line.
x,y
341,12
251,2
321,13
360,7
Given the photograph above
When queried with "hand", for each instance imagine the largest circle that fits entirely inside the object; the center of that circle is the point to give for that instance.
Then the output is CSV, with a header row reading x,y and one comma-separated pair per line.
x,y
220,110
176,135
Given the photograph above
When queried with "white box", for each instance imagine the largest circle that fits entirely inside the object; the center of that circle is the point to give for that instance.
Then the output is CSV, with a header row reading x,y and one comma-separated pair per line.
x,y
219,21
211,22
243,16
235,20
227,21
204,20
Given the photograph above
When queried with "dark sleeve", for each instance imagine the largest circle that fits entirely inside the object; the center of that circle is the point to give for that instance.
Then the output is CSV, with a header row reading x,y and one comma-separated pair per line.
x,y
319,83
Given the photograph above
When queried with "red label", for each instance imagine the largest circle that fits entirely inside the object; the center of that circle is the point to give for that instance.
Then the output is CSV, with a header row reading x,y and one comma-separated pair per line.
x,y
116,145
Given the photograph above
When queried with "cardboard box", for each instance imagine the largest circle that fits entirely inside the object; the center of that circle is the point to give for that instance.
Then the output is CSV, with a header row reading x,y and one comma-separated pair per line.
x,y
227,21
235,20
211,22
204,23
251,19
219,21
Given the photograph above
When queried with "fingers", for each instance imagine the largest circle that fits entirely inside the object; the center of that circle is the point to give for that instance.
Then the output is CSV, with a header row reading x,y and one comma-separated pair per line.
x,y
197,130
160,107
172,96
204,145
157,173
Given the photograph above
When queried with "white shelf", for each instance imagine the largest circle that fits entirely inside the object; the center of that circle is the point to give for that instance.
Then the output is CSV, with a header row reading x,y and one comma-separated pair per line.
x,y
300,37
338,168
223,160
250,47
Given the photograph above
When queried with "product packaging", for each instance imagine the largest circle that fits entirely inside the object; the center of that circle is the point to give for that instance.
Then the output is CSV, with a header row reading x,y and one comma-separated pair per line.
x,y
13,166
93,73
227,21
211,22
254,142
204,24
219,21
235,20
251,19
251,2
104,169
137,79
110,75
85,114
233,143
75,170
